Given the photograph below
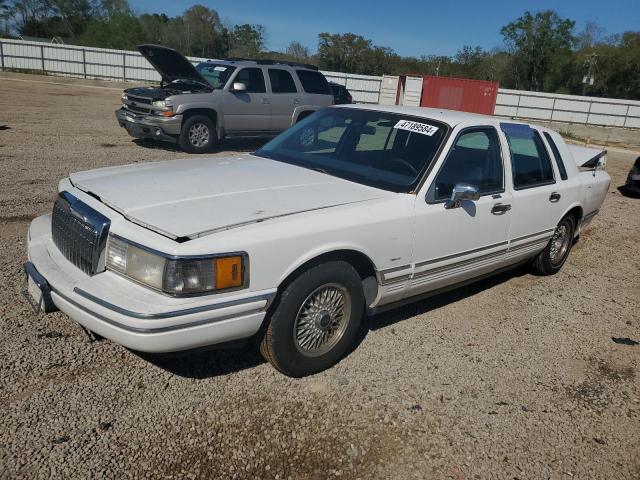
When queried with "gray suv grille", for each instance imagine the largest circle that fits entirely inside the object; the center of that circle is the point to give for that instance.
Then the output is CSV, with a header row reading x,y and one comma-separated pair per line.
x,y
79,232
138,104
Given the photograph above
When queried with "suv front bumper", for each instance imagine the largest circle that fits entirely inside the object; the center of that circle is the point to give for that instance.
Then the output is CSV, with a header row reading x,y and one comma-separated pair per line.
x,y
148,126
130,314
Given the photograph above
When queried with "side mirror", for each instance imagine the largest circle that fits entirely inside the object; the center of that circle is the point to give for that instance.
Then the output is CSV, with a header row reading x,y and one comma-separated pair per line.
x,y
238,87
462,191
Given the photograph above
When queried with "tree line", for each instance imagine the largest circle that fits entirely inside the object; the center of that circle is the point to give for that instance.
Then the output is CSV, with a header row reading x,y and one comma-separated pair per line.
x,y
541,51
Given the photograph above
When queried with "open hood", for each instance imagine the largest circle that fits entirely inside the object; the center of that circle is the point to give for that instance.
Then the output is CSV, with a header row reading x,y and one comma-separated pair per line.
x,y
170,64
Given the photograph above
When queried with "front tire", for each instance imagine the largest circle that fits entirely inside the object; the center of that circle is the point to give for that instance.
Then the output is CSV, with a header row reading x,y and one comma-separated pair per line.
x,y
552,258
315,320
198,134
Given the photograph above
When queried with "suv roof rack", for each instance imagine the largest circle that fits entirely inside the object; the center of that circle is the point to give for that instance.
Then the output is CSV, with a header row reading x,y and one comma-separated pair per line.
x,y
266,61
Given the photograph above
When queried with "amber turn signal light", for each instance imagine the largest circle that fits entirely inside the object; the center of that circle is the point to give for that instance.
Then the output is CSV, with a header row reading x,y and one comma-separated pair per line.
x,y
229,272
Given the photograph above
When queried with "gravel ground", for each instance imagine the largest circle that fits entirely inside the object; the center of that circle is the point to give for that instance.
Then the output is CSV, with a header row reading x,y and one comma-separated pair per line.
x,y
515,377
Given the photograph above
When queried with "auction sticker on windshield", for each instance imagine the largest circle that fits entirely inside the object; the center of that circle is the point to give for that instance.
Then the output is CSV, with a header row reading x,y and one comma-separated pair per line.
x,y
417,127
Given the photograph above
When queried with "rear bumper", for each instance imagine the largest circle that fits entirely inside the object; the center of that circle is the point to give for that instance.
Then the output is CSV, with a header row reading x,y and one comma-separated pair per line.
x,y
141,126
132,315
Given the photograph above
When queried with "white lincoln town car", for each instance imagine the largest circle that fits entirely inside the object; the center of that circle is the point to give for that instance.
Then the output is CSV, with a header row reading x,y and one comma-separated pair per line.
x,y
351,211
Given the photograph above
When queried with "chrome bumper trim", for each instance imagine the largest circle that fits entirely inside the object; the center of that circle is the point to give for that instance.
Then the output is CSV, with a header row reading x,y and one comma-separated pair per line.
x,y
176,313
155,329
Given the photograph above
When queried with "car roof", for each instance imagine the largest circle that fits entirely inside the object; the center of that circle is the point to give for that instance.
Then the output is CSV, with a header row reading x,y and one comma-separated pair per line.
x,y
450,117
263,63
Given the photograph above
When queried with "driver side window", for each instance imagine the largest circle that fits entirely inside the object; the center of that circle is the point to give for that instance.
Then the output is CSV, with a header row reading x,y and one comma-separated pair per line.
x,y
475,159
253,78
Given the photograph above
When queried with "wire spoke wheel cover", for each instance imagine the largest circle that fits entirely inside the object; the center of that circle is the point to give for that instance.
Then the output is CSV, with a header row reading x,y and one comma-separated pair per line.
x,y
322,320
198,135
559,244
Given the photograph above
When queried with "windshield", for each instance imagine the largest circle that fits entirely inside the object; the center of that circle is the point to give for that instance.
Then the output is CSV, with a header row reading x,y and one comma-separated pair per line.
x,y
215,73
383,150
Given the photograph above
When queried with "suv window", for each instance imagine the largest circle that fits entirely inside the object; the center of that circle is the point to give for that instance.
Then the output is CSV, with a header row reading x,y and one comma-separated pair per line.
x,y
314,82
253,78
529,158
556,153
214,73
475,159
281,81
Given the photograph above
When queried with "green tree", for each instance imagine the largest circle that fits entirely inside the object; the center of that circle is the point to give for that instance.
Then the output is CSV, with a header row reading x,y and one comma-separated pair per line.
x,y
538,43
298,52
342,52
5,15
202,32
153,27
246,40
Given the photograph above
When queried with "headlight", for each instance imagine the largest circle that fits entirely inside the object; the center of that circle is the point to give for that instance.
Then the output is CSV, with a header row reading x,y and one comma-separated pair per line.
x,y
124,96
175,276
161,104
163,107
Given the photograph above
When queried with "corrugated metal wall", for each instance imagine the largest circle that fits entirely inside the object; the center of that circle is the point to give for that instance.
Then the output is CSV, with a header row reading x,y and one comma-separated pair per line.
x,y
464,94
110,64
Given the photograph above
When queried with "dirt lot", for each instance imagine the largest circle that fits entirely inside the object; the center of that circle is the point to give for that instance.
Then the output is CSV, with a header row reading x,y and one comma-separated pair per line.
x,y
514,378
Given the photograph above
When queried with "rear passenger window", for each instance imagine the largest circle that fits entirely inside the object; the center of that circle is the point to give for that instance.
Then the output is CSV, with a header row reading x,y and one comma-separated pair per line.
x,y
475,159
253,78
281,81
556,154
314,82
530,161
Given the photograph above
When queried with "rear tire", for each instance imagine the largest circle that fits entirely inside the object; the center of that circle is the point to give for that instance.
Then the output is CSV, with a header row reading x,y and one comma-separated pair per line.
x,y
198,134
315,320
552,258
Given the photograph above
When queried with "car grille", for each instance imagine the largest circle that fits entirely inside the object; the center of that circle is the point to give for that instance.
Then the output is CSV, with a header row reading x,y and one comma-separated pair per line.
x,y
140,105
79,232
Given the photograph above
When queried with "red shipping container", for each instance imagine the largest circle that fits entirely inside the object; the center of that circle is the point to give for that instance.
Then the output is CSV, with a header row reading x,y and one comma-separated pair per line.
x,y
476,96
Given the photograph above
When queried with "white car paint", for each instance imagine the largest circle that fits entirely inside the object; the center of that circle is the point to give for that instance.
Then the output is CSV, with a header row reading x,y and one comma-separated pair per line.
x,y
283,216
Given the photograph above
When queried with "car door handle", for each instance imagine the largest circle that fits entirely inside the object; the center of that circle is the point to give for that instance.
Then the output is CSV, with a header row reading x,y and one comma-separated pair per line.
x,y
265,101
554,197
500,208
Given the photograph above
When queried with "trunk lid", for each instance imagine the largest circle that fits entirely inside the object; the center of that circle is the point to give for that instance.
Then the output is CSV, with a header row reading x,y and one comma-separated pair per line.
x,y
191,198
170,64
587,157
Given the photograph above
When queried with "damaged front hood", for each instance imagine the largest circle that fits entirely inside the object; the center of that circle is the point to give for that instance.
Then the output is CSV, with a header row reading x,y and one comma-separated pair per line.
x,y
194,197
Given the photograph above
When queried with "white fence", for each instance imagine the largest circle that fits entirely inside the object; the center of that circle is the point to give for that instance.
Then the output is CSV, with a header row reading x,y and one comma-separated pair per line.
x,y
104,63
568,108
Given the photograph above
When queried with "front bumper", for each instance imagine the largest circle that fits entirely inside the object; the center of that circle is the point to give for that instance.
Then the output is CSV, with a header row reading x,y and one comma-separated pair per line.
x,y
134,316
147,126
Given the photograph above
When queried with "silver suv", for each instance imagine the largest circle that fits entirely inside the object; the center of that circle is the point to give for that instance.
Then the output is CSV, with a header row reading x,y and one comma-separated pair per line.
x,y
199,106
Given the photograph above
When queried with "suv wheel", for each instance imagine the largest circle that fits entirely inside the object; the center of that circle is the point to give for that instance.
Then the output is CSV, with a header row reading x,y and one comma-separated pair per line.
x,y
198,134
315,321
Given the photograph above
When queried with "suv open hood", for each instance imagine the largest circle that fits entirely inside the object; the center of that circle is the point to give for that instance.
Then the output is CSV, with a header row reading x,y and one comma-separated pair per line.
x,y
189,198
170,64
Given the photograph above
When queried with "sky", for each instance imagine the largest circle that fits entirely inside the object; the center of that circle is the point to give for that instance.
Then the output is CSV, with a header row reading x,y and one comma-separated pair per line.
x,y
410,28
